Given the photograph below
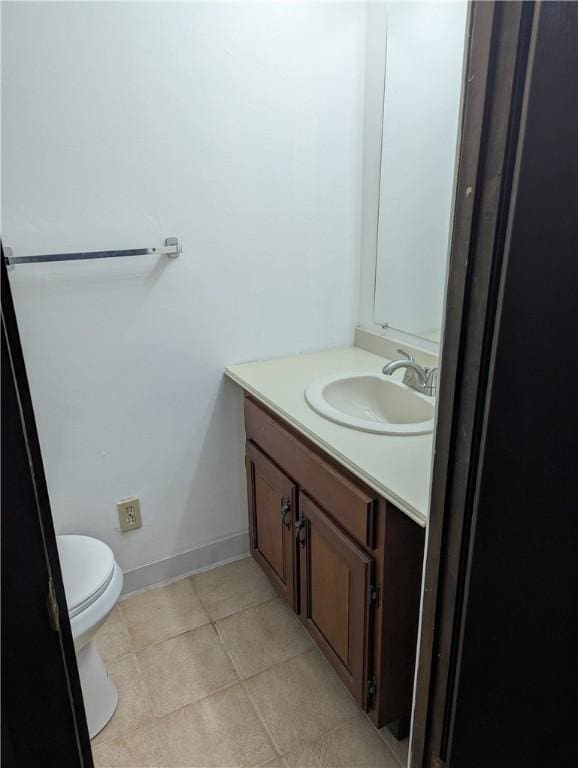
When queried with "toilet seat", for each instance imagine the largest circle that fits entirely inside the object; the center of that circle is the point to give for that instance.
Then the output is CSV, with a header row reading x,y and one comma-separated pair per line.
x,y
87,570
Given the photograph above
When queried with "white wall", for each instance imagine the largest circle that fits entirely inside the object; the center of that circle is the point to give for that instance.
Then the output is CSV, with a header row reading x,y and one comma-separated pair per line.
x,y
236,127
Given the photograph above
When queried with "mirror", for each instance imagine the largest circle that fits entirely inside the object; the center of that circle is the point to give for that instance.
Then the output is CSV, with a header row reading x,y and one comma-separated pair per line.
x,y
421,115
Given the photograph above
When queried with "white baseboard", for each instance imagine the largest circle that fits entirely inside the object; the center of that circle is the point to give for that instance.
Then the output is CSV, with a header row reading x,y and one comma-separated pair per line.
x,y
186,563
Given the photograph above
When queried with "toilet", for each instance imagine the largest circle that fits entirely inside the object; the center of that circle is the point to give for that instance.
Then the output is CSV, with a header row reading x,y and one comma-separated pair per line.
x,y
92,583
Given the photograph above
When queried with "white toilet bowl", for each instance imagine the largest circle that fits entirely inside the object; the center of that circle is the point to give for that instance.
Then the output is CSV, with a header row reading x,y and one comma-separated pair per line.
x,y
93,583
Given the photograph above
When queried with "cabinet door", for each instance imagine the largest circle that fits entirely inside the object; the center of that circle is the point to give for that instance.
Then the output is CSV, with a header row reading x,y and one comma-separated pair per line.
x,y
335,584
272,502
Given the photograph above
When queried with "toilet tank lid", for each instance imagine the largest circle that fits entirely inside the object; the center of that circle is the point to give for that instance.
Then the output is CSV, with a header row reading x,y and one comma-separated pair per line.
x,y
87,566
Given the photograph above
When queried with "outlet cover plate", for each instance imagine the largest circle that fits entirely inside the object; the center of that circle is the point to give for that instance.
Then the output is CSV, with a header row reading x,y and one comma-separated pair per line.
x,y
129,517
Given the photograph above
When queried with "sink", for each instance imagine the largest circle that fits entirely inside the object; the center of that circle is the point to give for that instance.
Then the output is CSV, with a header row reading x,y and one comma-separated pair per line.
x,y
371,402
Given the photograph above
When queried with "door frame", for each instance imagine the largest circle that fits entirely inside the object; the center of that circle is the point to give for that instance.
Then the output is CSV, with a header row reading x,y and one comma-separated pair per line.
x,y
43,717
499,77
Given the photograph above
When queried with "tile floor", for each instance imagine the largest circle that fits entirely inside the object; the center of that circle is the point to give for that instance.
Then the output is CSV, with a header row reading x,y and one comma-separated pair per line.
x,y
214,670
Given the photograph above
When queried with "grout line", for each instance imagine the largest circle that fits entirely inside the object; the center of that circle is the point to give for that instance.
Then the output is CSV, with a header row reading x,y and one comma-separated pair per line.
x,y
209,620
249,696
276,747
278,664
244,608
334,727
244,680
200,698
229,654
158,716
129,730
303,742
110,660
220,689
293,618
169,637
277,757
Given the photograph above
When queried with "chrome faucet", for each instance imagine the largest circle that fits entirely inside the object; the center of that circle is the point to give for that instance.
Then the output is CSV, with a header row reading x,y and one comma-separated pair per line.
x,y
423,380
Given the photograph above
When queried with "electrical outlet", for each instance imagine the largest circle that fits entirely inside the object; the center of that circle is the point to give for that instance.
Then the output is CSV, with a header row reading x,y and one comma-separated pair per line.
x,y
129,514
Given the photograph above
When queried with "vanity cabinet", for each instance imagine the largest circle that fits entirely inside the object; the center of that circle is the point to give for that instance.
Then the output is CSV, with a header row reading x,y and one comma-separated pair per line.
x,y
346,561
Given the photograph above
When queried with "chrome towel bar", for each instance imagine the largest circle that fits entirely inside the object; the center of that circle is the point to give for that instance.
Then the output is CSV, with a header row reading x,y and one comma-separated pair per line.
x,y
171,248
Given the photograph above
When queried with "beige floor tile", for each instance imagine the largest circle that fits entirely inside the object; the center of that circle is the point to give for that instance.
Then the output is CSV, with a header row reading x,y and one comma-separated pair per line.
x,y
276,762
185,668
232,588
138,749
133,708
158,614
399,748
261,636
220,730
353,744
300,699
112,638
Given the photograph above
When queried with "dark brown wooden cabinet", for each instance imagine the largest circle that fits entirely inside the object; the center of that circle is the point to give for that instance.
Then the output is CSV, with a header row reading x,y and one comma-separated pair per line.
x,y
347,561
272,498
336,579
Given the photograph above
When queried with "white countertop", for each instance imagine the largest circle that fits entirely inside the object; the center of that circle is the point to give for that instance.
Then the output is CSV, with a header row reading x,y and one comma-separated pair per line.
x,y
398,467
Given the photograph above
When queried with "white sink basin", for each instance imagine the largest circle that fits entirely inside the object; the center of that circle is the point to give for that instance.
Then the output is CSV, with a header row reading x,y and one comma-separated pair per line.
x,y
371,402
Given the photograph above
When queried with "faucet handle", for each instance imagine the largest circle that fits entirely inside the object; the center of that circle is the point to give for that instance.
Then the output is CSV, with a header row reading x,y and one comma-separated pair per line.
x,y
431,381
406,355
